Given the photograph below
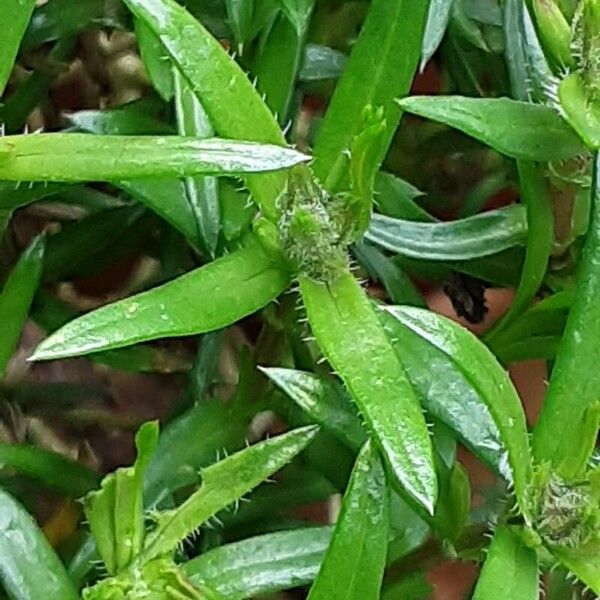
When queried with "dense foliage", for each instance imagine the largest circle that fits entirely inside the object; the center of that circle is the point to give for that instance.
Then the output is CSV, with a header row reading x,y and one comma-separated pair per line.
x,y
240,169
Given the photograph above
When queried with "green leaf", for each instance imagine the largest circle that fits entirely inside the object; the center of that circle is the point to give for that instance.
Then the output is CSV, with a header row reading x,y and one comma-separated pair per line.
x,y
223,483
481,235
240,15
76,251
518,129
452,397
168,198
15,15
355,560
202,300
365,157
381,68
205,65
202,192
16,298
320,62
52,469
278,63
583,562
510,566
491,382
398,285
65,18
573,389
581,109
83,157
396,198
156,60
323,400
262,565
190,442
530,76
136,118
115,512
437,22
29,567
354,342
540,237
186,444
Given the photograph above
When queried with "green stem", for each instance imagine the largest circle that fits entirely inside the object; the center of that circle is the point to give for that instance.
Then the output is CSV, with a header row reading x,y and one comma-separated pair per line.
x,y
566,432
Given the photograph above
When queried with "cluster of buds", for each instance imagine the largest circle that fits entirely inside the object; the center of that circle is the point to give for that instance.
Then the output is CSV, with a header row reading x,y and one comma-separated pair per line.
x,y
313,229
570,35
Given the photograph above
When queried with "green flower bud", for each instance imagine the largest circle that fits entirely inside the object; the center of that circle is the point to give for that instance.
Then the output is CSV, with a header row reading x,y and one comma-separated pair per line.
x,y
313,229
579,93
555,33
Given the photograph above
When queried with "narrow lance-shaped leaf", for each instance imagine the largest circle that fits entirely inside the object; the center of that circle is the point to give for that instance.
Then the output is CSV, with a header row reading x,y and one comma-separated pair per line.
x,y
354,563
202,300
220,84
510,569
388,272
381,67
323,400
222,484
51,468
15,15
481,235
529,76
115,512
354,342
29,567
82,157
16,298
491,382
156,60
582,562
572,396
365,155
540,235
451,396
262,565
437,22
279,60
518,129
202,192
186,444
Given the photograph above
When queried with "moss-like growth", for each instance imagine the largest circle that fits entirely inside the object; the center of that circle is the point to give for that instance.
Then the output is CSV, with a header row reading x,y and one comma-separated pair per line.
x,y
566,514
314,229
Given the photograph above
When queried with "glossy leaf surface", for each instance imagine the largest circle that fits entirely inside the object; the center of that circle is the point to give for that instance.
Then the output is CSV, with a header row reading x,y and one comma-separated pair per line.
x,y
509,566
381,67
518,129
29,567
481,235
205,65
222,484
66,157
354,563
491,381
354,342
262,565
203,300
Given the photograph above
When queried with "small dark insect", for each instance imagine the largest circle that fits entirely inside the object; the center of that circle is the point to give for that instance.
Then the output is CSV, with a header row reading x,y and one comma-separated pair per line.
x,y
467,296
